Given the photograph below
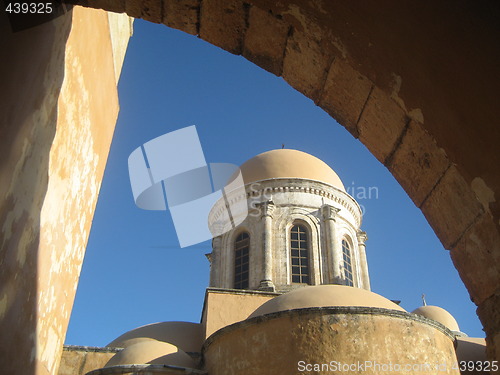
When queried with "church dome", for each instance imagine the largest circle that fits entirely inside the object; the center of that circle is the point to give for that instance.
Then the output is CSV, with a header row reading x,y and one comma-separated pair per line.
x,y
440,315
185,335
325,296
286,163
149,351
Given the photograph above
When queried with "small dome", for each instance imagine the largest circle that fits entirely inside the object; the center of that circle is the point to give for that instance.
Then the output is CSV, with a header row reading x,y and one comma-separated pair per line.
x,y
325,296
149,351
439,315
185,335
286,163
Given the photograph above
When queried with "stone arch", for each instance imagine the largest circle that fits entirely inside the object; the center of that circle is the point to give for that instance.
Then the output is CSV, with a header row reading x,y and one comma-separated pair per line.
x,y
300,42
389,78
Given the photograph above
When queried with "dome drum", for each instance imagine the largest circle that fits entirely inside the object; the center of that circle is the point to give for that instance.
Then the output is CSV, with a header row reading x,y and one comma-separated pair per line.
x,y
329,337
141,369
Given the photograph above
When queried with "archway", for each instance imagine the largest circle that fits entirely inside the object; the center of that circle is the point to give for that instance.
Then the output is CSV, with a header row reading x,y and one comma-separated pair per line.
x,y
391,79
393,88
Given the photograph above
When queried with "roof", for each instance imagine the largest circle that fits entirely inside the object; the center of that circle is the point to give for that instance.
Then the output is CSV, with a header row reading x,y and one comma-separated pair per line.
x,y
287,163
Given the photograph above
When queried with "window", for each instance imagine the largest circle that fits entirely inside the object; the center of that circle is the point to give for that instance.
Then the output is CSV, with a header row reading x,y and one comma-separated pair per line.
x,y
346,254
241,261
299,253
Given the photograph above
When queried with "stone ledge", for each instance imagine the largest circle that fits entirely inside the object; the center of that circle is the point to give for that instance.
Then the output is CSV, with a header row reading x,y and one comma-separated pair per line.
x,y
145,369
96,349
334,310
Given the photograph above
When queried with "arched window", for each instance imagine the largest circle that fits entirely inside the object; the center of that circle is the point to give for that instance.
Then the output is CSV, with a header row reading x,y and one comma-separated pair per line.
x,y
241,261
299,253
346,254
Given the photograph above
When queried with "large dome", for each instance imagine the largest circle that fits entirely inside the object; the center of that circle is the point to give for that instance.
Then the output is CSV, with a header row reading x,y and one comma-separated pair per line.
x,y
286,163
325,296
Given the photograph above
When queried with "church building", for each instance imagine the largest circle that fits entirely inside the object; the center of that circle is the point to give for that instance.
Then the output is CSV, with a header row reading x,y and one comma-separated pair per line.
x,y
289,293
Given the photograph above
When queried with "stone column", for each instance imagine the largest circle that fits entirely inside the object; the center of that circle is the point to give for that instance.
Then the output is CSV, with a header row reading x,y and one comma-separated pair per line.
x,y
333,251
365,277
267,209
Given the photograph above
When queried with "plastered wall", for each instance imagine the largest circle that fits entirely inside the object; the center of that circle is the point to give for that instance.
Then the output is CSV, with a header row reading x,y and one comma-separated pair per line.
x,y
59,107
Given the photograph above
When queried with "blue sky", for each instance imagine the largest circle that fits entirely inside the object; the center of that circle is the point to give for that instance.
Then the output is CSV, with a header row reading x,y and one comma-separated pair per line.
x,y
134,272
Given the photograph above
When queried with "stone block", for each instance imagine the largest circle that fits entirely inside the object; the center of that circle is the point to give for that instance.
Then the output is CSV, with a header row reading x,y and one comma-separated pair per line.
x,y
134,8
96,360
152,10
182,15
451,207
381,124
223,23
493,351
265,40
345,94
306,64
489,314
71,362
477,258
117,6
418,163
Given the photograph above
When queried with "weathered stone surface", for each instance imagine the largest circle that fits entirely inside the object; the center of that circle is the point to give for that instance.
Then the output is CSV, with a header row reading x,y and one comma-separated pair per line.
x,y
79,360
418,163
493,350
381,124
223,307
71,362
345,94
152,10
223,23
489,314
182,15
117,6
134,8
63,112
477,258
95,360
276,343
451,207
32,74
265,40
306,64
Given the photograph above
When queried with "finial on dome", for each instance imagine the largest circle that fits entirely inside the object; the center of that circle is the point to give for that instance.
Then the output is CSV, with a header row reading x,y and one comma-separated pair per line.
x,y
423,300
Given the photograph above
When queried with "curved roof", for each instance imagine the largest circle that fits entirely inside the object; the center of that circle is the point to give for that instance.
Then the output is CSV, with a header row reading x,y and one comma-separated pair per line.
x,y
185,335
325,296
151,352
286,163
439,315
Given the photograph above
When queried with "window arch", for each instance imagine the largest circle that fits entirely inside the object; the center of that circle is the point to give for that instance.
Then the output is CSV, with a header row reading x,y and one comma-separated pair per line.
x,y
299,254
346,255
241,261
